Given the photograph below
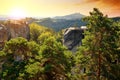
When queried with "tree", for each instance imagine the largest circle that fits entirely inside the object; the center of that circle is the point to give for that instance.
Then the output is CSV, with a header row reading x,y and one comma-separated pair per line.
x,y
43,37
101,45
23,60
57,61
38,33
35,31
18,53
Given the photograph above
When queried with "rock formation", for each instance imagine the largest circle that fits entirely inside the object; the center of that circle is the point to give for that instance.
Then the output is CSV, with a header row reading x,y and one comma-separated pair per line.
x,y
18,28
4,35
73,37
13,29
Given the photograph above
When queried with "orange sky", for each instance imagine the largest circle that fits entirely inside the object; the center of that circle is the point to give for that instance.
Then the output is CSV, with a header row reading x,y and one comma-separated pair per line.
x,y
109,7
50,8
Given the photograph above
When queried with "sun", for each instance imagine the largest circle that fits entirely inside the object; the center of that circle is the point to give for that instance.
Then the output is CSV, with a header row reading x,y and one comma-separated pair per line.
x,y
18,13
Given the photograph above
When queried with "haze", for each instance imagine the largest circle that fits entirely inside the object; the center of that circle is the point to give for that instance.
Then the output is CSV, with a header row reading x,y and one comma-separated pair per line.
x,y
50,8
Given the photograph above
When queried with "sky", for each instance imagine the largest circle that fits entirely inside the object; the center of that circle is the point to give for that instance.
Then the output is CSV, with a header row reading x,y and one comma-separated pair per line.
x,y
50,8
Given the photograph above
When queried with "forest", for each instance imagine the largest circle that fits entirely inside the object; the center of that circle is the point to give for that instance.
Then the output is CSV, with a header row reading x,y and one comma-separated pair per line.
x,y
44,57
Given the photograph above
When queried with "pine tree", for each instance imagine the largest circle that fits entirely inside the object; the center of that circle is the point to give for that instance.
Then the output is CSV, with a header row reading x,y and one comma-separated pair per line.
x,y
101,47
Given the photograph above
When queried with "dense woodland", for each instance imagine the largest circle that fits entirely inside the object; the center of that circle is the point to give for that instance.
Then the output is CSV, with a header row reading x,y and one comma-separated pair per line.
x,y
44,57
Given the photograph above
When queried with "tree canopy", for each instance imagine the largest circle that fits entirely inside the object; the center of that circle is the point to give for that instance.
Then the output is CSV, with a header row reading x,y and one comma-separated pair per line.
x,y
99,52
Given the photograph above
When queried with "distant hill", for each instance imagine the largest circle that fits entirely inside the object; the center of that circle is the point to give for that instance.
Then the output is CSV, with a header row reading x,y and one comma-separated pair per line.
x,y
116,18
61,22
70,17
4,17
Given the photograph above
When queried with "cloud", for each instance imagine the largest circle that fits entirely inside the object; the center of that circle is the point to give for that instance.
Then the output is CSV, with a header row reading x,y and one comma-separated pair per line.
x,y
111,2
113,6
110,7
107,3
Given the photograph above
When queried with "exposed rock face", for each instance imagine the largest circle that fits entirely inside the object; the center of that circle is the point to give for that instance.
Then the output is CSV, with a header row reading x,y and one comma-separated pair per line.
x,y
18,29
4,35
73,38
13,29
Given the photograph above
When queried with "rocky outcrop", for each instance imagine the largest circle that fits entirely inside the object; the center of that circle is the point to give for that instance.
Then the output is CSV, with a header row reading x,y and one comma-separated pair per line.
x,y
73,37
4,35
13,29
18,28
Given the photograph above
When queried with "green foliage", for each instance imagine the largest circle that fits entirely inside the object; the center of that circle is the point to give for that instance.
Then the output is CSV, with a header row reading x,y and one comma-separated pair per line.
x,y
35,31
39,33
57,64
2,54
43,37
100,47
16,45
27,60
18,53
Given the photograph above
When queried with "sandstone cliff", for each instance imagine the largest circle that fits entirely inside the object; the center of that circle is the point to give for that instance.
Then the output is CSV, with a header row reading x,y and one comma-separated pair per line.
x,y
4,35
18,28
73,37
13,29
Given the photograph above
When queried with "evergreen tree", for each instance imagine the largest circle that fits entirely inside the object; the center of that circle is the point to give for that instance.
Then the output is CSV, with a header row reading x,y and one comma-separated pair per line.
x,y
100,47
57,60
18,53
